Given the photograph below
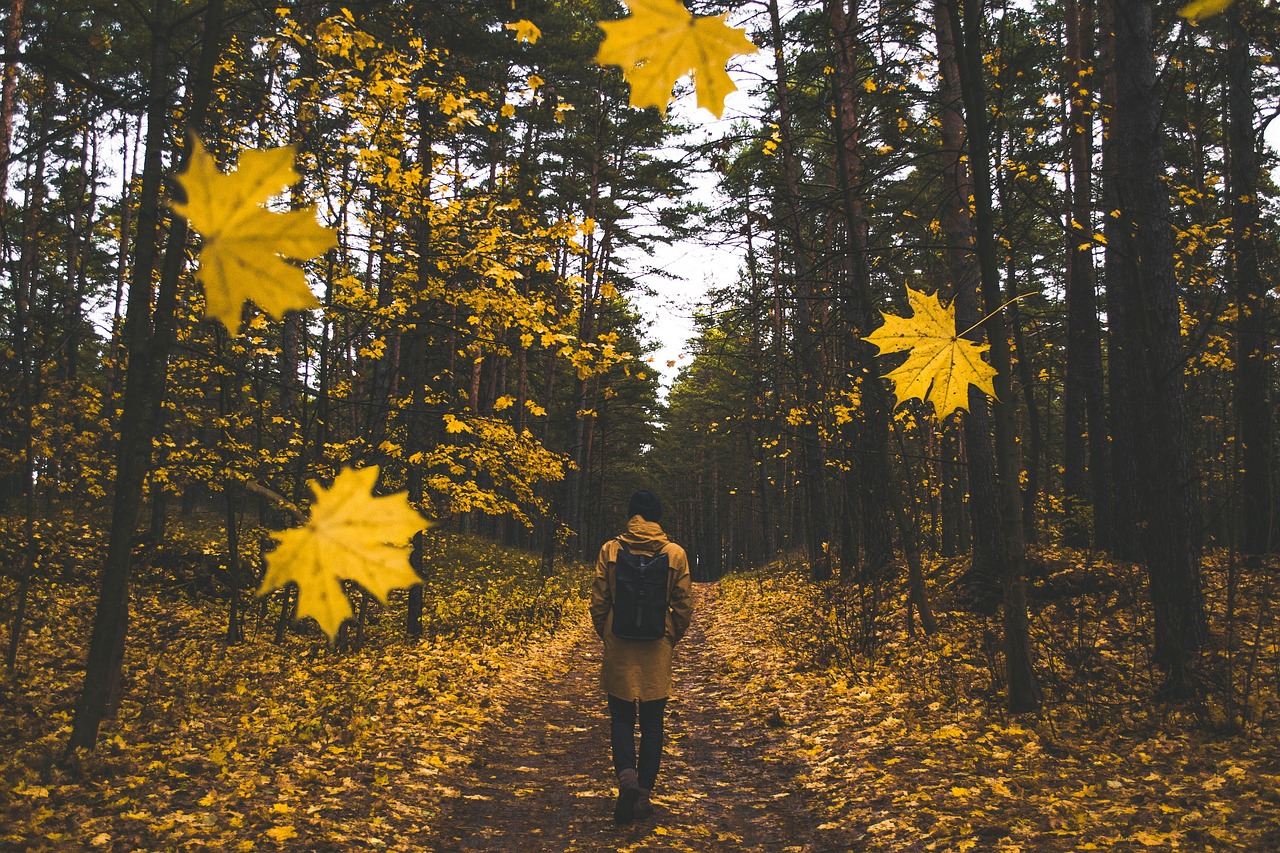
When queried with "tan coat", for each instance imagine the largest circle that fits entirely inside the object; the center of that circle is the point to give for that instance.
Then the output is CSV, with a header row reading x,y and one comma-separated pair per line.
x,y
640,669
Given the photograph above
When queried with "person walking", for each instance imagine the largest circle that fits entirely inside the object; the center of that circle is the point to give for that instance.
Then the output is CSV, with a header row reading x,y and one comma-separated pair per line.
x,y
629,598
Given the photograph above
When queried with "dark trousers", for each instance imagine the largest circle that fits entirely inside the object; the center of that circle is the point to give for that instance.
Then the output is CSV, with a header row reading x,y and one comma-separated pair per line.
x,y
622,735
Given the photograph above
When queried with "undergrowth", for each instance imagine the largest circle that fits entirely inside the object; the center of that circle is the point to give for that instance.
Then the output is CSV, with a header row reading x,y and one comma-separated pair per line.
x,y
1091,631
910,747
219,746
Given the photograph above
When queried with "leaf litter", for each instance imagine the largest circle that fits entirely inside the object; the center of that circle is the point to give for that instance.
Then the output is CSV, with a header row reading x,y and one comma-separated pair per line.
x,y
491,732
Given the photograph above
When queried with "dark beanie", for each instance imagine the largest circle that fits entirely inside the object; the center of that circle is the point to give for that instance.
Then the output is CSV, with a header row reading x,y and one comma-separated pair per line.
x,y
645,504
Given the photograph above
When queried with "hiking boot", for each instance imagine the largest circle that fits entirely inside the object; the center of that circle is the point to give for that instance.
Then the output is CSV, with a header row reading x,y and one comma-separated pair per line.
x,y
628,793
644,808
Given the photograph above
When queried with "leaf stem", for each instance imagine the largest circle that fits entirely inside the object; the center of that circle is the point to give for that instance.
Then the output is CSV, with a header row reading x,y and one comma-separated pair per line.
x,y
998,310
259,489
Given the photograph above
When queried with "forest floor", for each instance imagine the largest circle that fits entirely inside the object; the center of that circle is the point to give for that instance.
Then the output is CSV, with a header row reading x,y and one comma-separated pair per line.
x,y
542,780
491,734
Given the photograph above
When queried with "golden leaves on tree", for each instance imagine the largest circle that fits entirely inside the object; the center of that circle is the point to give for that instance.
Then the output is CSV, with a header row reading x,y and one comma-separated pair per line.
x,y
244,244
661,42
351,535
941,365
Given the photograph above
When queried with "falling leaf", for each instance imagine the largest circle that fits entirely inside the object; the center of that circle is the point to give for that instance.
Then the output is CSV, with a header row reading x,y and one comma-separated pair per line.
x,y
244,244
351,536
1198,10
941,365
526,31
661,42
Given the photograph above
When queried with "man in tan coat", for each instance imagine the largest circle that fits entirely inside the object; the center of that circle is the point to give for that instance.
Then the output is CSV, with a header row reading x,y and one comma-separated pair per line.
x,y
637,673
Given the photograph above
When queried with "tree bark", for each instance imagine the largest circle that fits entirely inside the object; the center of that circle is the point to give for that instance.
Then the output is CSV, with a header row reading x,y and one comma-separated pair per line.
x,y
1024,693
235,616
147,338
1116,269
1085,507
871,426
816,528
414,344
8,89
1255,489
1151,329
955,531
982,581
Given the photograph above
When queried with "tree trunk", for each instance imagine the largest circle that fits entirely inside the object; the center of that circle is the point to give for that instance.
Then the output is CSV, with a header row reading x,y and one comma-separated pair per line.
x,y
1083,454
955,533
1024,693
235,617
982,581
1151,329
1255,497
24,337
1035,439
147,349
816,531
8,89
414,343
871,426
1116,269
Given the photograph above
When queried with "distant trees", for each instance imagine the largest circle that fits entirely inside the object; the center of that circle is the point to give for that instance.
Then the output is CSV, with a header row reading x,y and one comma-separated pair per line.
x,y
958,149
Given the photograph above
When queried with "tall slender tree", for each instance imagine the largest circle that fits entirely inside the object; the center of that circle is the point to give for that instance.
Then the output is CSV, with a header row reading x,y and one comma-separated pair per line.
x,y
1148,324
1255,492
967,18
148,337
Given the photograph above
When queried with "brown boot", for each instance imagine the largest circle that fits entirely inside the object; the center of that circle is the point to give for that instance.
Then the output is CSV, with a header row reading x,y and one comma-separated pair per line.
x,y
628,793
644,808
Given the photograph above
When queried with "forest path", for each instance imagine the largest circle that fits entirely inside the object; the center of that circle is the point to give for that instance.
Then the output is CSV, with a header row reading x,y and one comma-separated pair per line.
x,y
540,777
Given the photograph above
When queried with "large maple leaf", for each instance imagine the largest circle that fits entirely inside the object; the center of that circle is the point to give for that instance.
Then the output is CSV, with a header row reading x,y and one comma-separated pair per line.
x,y
661,42
243,242
1198,10
351,535
941,364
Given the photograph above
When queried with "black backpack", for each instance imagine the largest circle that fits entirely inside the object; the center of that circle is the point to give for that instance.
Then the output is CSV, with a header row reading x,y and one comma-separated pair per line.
x,y
640,599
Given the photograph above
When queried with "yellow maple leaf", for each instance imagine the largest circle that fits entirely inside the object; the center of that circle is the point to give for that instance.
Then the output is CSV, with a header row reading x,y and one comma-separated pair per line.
x,y
1151,839
351,535
525,31
1197,10
241,257
941,364
661,42
283,833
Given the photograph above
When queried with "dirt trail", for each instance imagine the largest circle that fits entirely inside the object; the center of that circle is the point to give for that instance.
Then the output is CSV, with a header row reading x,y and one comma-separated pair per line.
x,y
540,777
